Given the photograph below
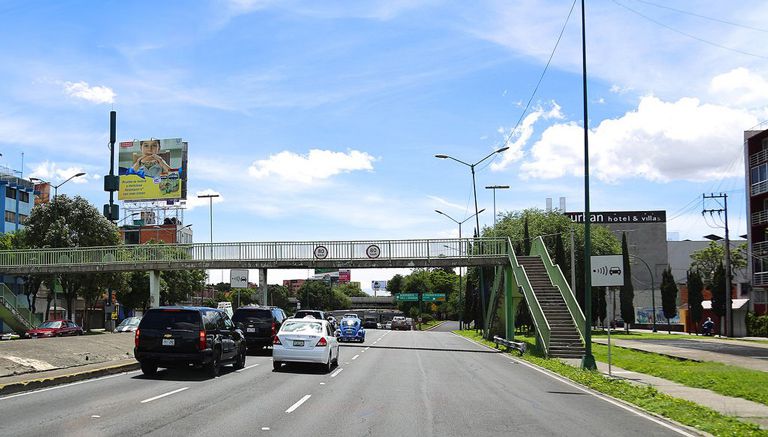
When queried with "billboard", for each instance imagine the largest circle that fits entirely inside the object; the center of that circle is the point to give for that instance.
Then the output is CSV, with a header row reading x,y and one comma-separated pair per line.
x,y
345,275
152,169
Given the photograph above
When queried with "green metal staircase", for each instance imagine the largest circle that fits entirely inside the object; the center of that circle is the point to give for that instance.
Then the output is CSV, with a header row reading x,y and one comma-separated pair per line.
x,y
14,314
555,313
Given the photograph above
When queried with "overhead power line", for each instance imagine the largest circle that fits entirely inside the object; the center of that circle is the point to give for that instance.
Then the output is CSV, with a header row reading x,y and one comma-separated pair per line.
x,y
693,14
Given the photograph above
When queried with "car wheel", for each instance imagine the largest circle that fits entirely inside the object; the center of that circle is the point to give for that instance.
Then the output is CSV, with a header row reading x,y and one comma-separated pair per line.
x,y
329,365
276,365
214,367
148,369
240,362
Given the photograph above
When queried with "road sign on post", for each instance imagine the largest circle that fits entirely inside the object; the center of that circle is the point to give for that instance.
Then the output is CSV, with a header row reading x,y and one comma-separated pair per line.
x,y
238,278
413,297
607,271
433,297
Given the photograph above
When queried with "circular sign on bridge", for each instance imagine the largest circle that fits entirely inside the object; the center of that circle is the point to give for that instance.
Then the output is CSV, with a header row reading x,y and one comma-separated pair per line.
x,y
373,251
321,252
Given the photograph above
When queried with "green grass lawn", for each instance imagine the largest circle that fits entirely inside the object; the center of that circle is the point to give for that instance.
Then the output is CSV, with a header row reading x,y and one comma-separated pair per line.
x,y
647,398
720,378
430,324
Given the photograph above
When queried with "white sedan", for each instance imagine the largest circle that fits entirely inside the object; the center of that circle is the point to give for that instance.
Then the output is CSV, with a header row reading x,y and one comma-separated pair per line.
x,y
306,340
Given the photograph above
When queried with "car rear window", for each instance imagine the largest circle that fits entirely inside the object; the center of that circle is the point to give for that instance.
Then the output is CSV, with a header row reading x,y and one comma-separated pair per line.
x,y
302,314
252,315
302,326
171,319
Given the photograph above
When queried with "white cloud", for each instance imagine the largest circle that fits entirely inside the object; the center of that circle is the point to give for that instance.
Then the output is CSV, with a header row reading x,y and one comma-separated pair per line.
x,y
246,6
55,174
93,94
193,201
659,141
740,86
441,201
522,134
307,169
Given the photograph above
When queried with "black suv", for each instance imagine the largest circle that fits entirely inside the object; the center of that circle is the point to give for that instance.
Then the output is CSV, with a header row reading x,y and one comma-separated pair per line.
x,y
259,324
184,336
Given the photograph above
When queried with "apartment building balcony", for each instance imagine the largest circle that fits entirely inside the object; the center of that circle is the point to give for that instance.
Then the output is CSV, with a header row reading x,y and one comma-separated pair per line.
x,y
758,158
759,218
760,249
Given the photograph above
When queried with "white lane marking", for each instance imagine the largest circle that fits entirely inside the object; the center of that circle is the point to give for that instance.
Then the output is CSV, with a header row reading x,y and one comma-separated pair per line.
x,y
164,395
95,416
322,383
355,357
246,368
298,404
598,395
265,428
67,385
333,375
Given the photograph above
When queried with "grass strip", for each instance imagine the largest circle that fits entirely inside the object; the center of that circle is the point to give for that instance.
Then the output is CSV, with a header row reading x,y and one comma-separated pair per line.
x,y
644,397
720,378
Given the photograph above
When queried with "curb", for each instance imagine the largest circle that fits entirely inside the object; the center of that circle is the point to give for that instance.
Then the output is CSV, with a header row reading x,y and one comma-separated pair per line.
x,y
38,383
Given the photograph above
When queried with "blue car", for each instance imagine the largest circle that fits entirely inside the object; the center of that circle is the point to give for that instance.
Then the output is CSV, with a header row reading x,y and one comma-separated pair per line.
x,y
351,329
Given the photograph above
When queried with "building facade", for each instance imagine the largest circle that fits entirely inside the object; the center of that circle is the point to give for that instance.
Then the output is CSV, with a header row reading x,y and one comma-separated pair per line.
x,y
756,163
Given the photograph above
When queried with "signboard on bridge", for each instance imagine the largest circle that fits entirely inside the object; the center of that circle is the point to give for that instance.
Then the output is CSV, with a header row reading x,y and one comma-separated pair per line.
x,y
407,297
433,297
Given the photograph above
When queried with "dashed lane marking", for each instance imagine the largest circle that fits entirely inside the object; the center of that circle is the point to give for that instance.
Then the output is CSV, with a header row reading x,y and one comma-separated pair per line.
x,y
333,375
246,368
298,404
164,395
355,357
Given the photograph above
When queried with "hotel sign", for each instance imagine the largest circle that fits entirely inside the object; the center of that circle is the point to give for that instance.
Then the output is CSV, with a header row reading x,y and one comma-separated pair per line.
x,y
609,217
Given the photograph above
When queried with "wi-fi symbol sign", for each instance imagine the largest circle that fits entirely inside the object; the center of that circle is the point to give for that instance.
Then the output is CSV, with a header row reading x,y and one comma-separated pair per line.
x,y
602,270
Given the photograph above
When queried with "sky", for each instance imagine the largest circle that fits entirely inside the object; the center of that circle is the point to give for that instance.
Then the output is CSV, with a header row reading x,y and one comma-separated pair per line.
x,y
320,120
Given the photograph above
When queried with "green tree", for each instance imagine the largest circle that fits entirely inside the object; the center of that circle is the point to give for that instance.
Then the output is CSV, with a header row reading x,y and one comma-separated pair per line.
x,y
179,285
71,222
560,258
602,305
351,289
135,294
395,285
526,237
627,293
278,295
706,260
668,296
718,293
695,297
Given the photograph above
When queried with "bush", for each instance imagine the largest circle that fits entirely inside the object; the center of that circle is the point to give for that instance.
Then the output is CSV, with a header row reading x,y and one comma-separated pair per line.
x,y
426,318
757,326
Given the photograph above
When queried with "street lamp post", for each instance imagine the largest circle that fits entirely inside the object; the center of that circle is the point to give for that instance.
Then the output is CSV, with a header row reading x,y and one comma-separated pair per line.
x,y
653,291
728,304
210,208
461,307
56,217
477,220
494,188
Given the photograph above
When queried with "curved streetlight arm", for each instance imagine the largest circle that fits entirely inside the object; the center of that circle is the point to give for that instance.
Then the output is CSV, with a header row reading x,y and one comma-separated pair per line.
x,y
69,179
490,154
653,288
451,157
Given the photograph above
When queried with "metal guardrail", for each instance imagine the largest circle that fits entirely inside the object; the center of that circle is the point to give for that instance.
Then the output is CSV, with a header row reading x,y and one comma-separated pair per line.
x,y
543,329
558,279
510,344
446,251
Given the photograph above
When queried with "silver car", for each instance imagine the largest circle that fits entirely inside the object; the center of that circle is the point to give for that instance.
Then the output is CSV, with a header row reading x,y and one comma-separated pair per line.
x,y
130,324
307,340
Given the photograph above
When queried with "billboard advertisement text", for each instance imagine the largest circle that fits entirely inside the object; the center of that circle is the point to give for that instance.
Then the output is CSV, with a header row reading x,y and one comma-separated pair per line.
x,y
153,169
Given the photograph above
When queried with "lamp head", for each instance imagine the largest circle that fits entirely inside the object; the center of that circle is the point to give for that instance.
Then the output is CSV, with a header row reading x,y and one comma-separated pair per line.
x,y
441,156
502,149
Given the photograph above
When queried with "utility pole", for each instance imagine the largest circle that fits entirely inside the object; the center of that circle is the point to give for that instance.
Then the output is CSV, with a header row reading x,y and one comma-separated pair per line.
x,y
724,210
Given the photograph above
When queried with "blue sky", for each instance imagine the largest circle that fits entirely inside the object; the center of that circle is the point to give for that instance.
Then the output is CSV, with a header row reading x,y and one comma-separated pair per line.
x,y
320,120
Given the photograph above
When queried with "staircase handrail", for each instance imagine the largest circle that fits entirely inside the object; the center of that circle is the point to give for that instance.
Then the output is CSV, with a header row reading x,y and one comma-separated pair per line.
x,y
555,274
542,325
9,301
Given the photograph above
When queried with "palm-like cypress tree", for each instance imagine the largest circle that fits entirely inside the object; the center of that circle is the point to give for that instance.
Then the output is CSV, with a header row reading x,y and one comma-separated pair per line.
x,y
627,293
668,295
695,297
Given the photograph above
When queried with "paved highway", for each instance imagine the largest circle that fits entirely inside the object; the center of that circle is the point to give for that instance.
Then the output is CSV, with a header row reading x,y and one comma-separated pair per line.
x,y
396,384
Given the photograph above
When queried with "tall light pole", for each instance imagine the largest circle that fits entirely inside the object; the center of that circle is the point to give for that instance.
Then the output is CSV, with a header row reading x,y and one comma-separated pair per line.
x,y
461,307
56,217
728,314
477,220
494,188
210,208
653,287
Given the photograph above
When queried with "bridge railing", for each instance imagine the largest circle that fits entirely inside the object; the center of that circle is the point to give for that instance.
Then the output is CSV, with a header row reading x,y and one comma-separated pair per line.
x,y
447,248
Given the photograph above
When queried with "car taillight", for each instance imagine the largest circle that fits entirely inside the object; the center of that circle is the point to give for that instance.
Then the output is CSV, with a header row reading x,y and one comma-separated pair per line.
x,y
136,338
274,330
322,342
276,340
201,344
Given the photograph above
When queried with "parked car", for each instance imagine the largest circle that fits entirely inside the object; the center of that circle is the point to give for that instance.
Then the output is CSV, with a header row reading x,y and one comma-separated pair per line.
x,y
54,328
400,323
129,324
388,325
305,340
351,329
188,336
259,324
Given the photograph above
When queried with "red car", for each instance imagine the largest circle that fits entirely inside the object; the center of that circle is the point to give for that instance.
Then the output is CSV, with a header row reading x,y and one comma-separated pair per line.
x,y
55,328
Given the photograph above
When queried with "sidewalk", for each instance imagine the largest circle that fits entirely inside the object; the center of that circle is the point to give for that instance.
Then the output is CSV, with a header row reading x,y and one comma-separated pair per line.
x,y
737,407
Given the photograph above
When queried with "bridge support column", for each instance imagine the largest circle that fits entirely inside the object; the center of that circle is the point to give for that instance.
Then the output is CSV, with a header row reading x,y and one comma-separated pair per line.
x,y
263,286
154,288
512,297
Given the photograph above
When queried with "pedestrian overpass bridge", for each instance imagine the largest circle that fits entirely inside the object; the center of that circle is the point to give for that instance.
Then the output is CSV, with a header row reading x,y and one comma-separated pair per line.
x,y
557,317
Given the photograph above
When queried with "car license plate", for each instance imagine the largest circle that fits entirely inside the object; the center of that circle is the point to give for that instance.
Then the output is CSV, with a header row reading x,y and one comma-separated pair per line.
x,y
298,342
169,342
250,329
